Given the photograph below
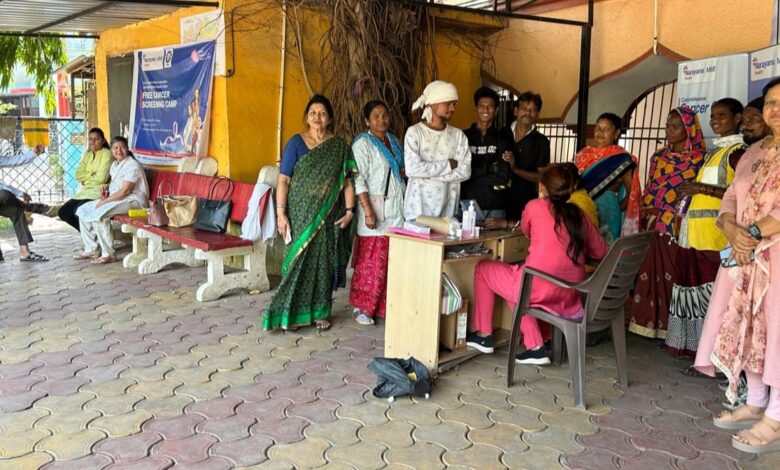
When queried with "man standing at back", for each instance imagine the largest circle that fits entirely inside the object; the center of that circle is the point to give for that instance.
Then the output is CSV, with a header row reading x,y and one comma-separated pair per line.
x,y
490,174
436,155
531,153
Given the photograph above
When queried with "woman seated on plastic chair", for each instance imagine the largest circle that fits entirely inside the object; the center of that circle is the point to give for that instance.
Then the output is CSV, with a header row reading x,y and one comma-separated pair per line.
x,y
561,238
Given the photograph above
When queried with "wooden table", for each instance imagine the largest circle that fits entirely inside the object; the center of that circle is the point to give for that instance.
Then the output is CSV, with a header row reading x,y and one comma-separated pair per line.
x,y
414,293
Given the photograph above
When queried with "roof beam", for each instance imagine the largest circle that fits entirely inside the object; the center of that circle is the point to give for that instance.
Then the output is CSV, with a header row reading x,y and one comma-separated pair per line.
x,y
65,19
49,35
499,13
176,3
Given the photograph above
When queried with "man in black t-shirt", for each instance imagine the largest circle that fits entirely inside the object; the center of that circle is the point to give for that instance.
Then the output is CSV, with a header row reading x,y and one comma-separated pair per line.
x,y
490,174
531,154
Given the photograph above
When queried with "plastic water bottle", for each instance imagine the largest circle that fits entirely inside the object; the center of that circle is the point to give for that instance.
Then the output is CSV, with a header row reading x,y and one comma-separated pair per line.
x,y
470,221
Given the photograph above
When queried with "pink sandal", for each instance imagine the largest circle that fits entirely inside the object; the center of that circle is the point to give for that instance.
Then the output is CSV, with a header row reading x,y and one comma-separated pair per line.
x,y
103,260
86,255
740,418
763,437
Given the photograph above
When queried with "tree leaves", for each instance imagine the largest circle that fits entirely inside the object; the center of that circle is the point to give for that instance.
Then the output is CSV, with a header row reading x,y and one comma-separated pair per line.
x,y
39,56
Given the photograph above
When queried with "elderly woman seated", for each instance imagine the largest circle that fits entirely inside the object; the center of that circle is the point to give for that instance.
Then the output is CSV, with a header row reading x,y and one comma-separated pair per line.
x,y
128,190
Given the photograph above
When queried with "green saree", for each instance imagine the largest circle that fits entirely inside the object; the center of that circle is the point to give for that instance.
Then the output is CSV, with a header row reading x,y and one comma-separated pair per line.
x,y
319,248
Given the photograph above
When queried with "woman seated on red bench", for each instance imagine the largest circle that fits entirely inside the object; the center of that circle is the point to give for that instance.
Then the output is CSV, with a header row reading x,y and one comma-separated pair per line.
x,y
561,237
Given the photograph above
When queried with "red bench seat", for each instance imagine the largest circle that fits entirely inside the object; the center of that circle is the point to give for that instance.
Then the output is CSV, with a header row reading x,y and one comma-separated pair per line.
x,y
188,236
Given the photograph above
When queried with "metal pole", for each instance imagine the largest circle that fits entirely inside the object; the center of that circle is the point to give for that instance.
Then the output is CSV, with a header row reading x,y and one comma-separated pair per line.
x,y
582,95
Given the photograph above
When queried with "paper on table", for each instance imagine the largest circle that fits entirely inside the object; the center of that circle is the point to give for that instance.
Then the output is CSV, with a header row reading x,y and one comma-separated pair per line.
x,y
438,224
287,236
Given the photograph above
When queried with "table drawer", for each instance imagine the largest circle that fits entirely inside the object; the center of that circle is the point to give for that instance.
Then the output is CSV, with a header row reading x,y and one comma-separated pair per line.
x,y
513,250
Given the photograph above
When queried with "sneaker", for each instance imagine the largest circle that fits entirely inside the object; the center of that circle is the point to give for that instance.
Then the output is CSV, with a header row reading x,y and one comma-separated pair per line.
x,y
481,344
536,357
361,317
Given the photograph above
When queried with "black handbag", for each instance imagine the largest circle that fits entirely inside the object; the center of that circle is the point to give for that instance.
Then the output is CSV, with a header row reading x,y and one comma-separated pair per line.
x,y
213,214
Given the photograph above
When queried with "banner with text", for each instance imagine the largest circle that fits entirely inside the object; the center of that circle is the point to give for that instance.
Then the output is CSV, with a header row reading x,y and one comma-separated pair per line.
x,y
171,102
764,66
700,82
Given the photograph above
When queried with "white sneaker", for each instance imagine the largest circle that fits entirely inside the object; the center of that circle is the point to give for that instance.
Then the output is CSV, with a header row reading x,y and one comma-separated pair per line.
x,y
361,317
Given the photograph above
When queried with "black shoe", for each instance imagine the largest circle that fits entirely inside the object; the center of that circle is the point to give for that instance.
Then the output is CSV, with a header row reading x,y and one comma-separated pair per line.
x,y
479,343
536,357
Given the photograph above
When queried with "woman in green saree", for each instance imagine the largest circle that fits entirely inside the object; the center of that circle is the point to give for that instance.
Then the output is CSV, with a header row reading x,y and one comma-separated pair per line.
x,y
315,205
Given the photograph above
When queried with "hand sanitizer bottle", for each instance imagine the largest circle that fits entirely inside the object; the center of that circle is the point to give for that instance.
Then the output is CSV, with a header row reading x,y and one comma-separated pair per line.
x,y
471,217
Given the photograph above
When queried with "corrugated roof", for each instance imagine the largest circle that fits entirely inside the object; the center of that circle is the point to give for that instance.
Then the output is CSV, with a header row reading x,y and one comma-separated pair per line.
x,y
88,17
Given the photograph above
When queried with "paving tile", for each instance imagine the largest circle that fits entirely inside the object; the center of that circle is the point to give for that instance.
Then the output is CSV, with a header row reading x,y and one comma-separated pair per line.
x,y
420,455
121,425
394,434
66,404
309,453
147,374
178,427
590,459
61,387
154,462
319,411
204,391
503,436
90,461
717,442
615,442
115,405
649,459
251,393
570,418
244,452
537,399
20,369
525,417
70,446
298,393
419,414
363,455
20,421
19,444
130,448
350,394
562,440
21,401
157,389
709,461
212,463
449,435
477,456
268,410
186,451
67,422
624,420
103,373
17,385
238,377
372,413
229,429
670,442
536,458
691,407
110,388
165,407
31,460
285,431
187,363
342,433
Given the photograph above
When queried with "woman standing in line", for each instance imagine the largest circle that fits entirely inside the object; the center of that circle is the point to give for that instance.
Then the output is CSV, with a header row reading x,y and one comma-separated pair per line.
x,y
380,188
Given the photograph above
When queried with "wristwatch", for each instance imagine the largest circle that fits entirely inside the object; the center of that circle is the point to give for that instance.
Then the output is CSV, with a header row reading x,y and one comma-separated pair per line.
x,y
755,232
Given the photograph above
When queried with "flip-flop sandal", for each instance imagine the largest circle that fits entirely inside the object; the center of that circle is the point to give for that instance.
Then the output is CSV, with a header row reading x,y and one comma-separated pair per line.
x,y
84,255
727,420
323,325
34,257
768,440
103,260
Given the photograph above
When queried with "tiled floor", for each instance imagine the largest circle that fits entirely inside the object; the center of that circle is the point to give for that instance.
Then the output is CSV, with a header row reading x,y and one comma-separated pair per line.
x,y
102,368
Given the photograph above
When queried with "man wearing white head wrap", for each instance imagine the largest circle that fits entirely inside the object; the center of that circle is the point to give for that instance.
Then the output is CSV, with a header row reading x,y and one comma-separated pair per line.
x,y
436,155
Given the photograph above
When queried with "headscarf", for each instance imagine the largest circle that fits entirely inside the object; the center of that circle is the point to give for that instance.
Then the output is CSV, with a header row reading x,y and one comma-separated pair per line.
x,y
437,91
669,170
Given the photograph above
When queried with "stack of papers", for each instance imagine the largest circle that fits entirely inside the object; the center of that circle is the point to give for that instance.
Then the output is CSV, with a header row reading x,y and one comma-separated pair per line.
x,y
417,228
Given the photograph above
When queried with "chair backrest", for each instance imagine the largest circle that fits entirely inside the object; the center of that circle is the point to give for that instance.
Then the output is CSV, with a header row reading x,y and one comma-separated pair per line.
x,y
610,284
268,175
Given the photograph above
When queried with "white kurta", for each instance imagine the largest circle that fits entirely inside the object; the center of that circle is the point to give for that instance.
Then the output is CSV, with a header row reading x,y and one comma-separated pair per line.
x,y
127,170
434,188
373,171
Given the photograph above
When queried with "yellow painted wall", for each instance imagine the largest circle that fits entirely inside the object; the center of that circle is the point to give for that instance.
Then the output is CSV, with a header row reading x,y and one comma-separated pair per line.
x,y
153,33
245,105
545,57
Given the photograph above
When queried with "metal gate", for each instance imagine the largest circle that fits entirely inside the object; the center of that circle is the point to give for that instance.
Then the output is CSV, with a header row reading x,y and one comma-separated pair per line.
x,y
646,128
51,178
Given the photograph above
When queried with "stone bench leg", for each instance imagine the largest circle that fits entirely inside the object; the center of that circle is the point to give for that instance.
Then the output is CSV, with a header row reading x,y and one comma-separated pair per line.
x,y
158,257
139,253
252,277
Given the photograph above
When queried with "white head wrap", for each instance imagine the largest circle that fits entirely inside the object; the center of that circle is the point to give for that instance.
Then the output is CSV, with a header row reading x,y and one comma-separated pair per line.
x,y
437,91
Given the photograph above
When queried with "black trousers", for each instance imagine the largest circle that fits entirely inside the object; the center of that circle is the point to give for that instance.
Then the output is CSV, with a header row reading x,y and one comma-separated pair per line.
x,y
67,212
13,208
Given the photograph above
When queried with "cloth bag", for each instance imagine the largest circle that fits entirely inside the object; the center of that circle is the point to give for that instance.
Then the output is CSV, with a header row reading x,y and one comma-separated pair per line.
x,y
396,377
157,215
213,214
181,210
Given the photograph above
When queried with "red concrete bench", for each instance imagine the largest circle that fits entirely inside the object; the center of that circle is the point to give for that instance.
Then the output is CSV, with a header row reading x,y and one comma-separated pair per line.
x,y
155,248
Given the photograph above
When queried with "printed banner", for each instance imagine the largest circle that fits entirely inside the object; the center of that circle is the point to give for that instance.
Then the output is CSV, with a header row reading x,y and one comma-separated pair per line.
x,y
205,27
169,117
701,82
764,66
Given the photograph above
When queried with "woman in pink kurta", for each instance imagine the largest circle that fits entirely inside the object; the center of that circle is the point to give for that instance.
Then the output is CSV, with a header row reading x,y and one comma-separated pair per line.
x,y
553,251
742,326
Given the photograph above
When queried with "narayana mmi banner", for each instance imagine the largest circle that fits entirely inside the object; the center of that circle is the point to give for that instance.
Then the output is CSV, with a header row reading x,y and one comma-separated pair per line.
x,y
171,100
